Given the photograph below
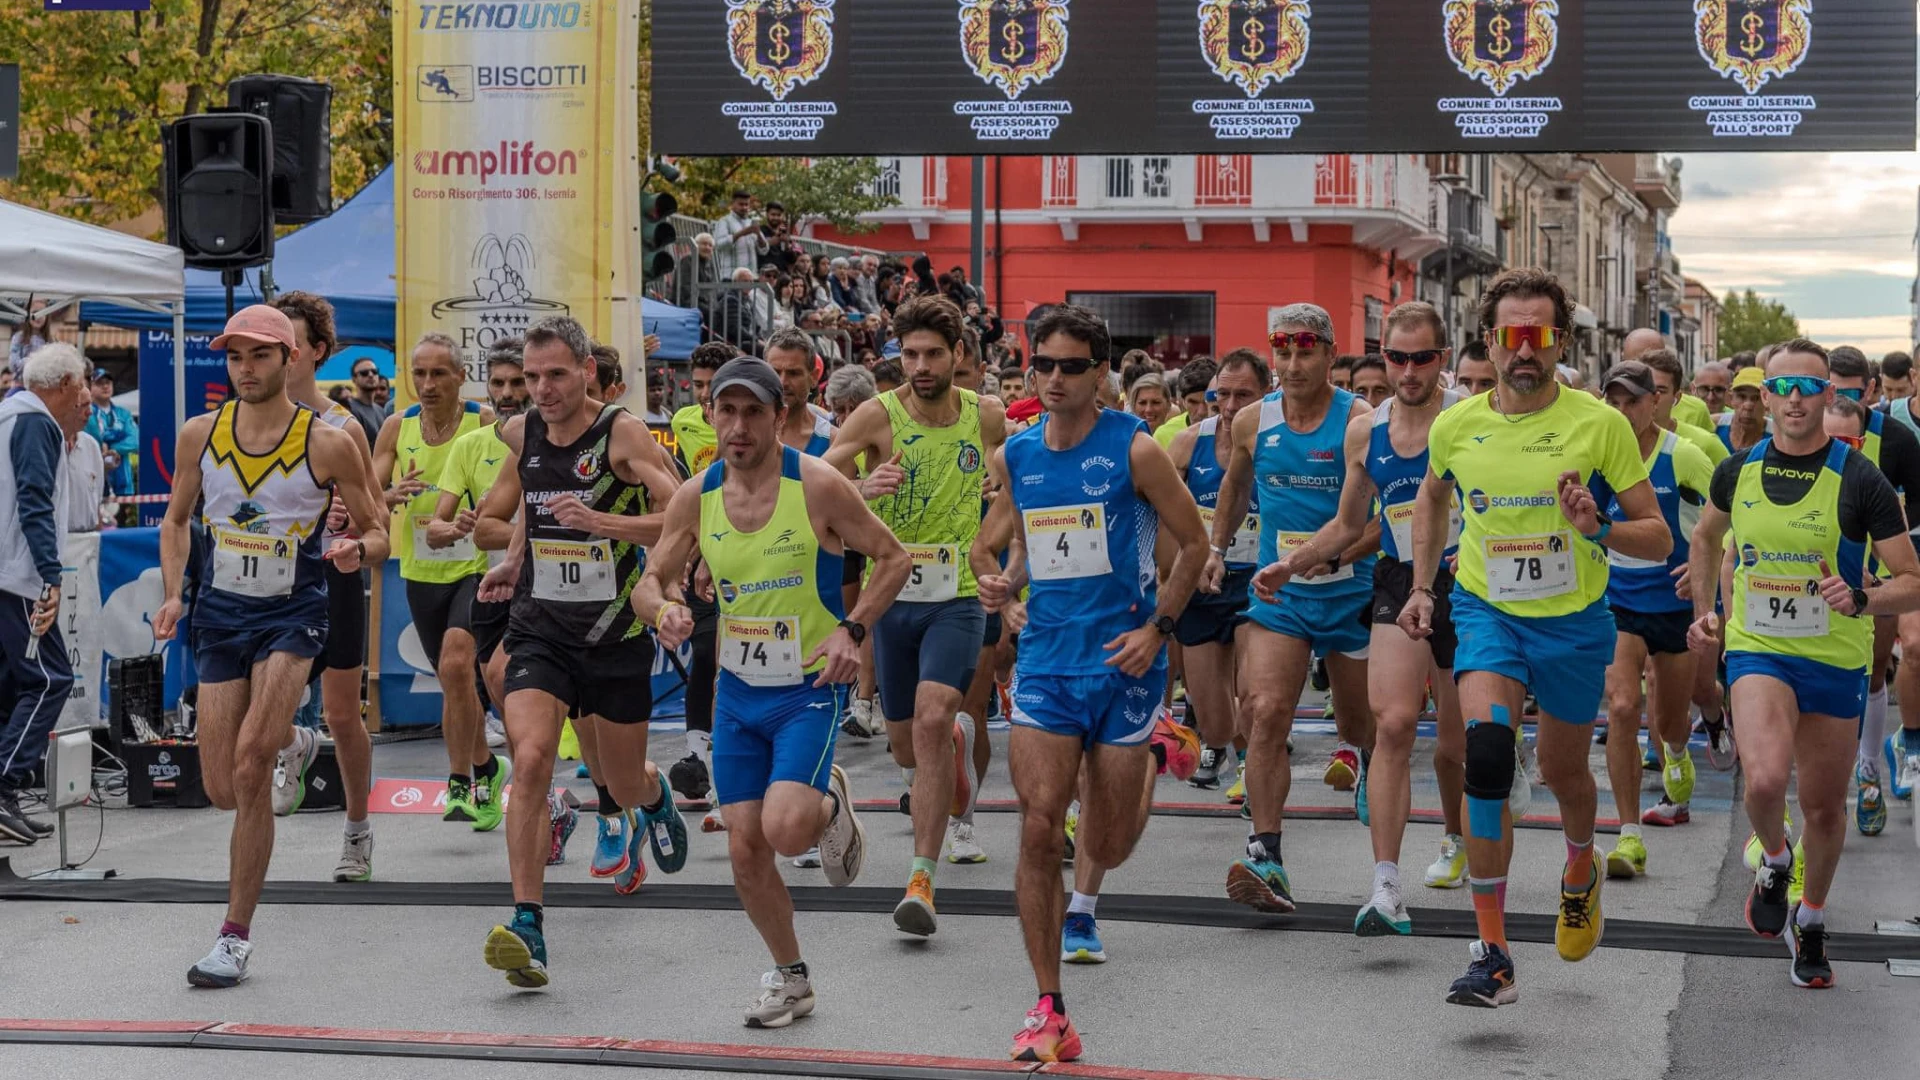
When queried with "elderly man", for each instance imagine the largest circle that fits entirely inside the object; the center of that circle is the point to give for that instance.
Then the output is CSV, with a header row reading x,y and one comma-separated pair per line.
x,y
695,270
866,283
35,672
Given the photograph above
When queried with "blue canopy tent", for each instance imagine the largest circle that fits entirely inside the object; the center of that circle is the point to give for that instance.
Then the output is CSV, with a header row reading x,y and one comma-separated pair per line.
x,y
347,257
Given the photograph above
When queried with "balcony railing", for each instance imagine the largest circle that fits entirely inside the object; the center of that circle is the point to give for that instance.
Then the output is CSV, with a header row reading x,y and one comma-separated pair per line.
x,y
1290,183
1223,180
918,183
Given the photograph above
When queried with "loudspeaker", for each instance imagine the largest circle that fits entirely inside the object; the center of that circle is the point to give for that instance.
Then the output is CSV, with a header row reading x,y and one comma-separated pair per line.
x,y
300,111
219,173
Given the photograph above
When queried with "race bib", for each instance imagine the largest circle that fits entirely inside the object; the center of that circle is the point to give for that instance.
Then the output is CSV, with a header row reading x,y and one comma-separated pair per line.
x,y
572,571
935,576
1289,542
761,651
1785,607
1627,562
253,564
1245,547
461,550
1067,542
1529,567
1400,524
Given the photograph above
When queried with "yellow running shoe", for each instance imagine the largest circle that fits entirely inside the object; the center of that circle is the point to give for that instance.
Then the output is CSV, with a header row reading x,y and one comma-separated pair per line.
x,y
1581,923
1238,792
1628,859
1677,775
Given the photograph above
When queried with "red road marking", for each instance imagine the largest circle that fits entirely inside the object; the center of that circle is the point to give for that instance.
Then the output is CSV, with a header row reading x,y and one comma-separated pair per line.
x,y
150,1027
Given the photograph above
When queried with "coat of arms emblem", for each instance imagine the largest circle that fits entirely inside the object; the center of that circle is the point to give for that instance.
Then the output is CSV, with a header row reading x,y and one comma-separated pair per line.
x,y
1500,42
1014,44
781,45
1253,43
1752,41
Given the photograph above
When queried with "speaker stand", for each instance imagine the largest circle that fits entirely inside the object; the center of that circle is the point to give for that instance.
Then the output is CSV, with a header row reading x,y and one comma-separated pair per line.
x,y
68,871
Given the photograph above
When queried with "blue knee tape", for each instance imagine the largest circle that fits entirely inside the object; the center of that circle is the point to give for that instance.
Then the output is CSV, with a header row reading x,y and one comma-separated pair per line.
x,y
1501,716
1484,819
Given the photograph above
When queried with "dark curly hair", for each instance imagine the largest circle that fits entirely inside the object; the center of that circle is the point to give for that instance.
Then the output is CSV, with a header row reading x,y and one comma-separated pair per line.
x,y
1525,283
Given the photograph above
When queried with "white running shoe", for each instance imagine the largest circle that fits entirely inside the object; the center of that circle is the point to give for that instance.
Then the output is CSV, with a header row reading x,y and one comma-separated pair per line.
x,y
496,731
1449,871
1385,914
290,771
783,999
1909,772
356,858
225,966
860,722
961,847
843,847
808,859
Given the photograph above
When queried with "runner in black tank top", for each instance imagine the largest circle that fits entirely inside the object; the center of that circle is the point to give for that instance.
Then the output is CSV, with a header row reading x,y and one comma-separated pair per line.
x,y
574,585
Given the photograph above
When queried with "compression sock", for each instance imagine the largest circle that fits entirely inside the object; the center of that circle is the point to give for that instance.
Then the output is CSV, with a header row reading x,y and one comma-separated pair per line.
x,y
1873,725
1580,870
1490,909
609,806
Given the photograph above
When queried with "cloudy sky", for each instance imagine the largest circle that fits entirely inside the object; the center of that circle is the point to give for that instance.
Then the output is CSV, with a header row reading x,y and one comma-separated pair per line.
x,y
1830,235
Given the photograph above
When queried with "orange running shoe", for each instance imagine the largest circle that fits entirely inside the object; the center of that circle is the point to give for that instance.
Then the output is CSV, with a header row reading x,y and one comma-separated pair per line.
x,y
1046,1036
914,913
1176,747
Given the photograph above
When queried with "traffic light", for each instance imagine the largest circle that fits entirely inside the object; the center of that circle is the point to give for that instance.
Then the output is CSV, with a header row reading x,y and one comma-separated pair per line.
x,y
656,236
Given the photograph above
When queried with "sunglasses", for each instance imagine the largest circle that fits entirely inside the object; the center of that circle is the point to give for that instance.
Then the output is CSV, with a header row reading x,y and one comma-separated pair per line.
x,y
1068,365
1850,393
1301,340
1851,440
1785,385
1511,338
1416,358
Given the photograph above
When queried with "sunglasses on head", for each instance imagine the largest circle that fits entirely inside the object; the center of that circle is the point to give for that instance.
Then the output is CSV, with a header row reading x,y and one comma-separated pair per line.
x,y
1301,340
1851,393
1785,385
1512,337
1068,365
1416,358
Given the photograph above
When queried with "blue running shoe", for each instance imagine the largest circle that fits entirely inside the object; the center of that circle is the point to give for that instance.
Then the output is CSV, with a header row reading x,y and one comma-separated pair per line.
x,y
610,851
1360,807
1261,884
1488,982
627,882
1080,940
1895,749
519,950
667,835
1870,803
1650,757
581,772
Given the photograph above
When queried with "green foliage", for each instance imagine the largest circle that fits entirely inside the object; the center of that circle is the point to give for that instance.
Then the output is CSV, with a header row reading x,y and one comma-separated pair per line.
x,y
832,189
1749,321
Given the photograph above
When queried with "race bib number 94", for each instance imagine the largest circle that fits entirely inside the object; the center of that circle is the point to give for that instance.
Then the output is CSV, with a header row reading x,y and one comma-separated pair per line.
x,y
1785,607
1067,542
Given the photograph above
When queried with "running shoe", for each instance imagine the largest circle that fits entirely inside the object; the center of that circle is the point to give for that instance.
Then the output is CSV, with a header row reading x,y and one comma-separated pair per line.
x,y
1343,769
914,913
808,859
1321,682
1261,884
459,801
1666,812
1385,915
962,765
1176,748
629,879
1722,753
225,966
667,835
860,721
1207,774
1577,932
1488,983
961,846
1361,808
1080,940
713,822
356,858
564,818
689,777
489,805
1520,793
1073,825
1046,1036
496,731
290,767
1869,804
1449,871
843,846
784,998
610,849
581,772
520,950
1650,757
1628,859
1768,908
1676,778
1895,751
1909,777
1237,791
1808,944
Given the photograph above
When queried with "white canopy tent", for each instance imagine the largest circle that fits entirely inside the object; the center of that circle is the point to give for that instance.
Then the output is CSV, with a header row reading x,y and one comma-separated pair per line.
x,y
63,262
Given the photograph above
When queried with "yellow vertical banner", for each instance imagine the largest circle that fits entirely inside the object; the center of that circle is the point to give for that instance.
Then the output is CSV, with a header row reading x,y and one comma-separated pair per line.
x,y
515,150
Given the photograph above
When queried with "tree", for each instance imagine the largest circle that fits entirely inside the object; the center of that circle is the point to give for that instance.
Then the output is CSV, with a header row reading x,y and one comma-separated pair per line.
x,y
836,190
96,88
1749,321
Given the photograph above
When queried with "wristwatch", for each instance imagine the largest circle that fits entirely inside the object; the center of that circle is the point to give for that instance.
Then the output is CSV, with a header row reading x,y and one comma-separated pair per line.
x,y
1606,526
854,630
1164,624
1859,601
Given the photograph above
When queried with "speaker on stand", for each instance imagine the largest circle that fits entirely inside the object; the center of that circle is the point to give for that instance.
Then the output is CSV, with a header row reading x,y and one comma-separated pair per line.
x,y
300,113
219,179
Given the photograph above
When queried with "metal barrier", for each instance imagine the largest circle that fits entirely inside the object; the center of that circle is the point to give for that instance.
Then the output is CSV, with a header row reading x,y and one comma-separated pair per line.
x,y
737,312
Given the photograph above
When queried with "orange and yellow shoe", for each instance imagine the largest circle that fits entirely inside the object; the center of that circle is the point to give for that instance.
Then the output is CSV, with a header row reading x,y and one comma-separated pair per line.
x,y
914,914
1176,748
1046,1035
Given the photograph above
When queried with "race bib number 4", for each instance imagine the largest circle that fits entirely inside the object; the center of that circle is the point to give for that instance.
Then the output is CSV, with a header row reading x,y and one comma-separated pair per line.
x,y
1067,542
761,651
935,576
1785,607
1529,567
571,571
461,550
1289,542
1245,548
253,564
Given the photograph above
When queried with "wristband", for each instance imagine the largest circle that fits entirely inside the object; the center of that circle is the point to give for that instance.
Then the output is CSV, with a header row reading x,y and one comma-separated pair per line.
x,y
1428,589
1606,526
1220,551
660,617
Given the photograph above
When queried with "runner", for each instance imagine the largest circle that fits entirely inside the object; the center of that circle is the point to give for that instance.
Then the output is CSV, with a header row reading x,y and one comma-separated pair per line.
x,y
581,475
1799,504
804,428
1535,465
787,651
1642,343
1208,630
408,457
1746,422
1087,492
1651,604
1473,373
933,439
1712,382
260,605
1294,443
346,651
969,373
847,389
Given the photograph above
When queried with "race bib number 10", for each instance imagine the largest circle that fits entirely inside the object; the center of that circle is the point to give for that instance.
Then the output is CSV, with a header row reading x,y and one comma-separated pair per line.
x,y
1067,542
571,571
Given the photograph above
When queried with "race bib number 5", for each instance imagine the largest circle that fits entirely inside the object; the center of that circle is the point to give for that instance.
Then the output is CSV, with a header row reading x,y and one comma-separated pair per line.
x,y
935,576
1067,542
1529,567
761,652
253,564
571,571
1785,607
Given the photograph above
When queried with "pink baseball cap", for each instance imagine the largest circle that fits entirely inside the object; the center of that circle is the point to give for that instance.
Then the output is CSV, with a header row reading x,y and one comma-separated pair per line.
x,y
258,322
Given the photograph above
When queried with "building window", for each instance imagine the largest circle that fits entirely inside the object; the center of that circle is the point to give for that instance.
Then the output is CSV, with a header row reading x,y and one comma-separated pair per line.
x,y
887,184
1174,327
1140,179
1374,320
